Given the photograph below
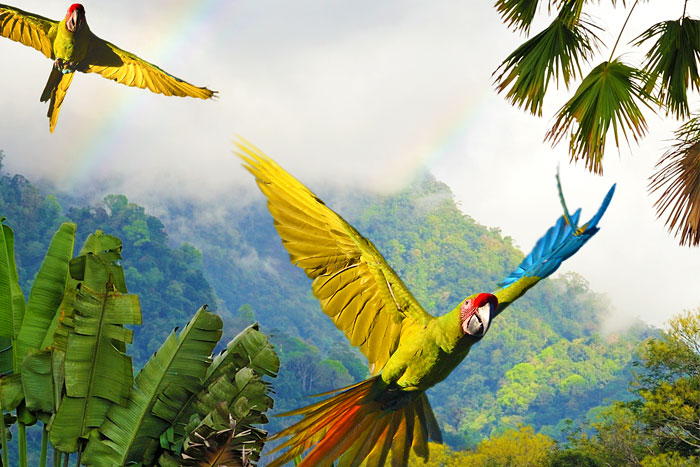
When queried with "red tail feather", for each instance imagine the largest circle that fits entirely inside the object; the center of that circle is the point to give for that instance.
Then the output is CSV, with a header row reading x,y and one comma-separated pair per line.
x,y
364,420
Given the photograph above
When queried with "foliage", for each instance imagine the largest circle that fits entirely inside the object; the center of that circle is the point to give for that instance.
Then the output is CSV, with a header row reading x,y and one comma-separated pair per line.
x,y
65,362
442,255
678,176
669,386
659,426
612,95
519,447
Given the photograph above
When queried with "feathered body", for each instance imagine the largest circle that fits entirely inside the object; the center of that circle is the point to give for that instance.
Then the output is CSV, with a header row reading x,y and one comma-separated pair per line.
x,y
407,349
73,47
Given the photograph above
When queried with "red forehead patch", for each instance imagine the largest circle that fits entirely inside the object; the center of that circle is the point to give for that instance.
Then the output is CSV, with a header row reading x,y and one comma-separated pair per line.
x,y
75,6
483,298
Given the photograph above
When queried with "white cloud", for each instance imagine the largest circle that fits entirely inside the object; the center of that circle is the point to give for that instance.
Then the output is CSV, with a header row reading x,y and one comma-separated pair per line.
x,y
350,93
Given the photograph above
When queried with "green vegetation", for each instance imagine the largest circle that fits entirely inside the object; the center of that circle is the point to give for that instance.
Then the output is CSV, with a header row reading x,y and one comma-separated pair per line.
x,y
65,363
544,363
614,94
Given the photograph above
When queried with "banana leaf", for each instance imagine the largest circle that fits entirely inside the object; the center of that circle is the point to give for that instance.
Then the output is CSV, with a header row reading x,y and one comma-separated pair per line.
x,y
97,373
131,433
250,348
11,298
47,292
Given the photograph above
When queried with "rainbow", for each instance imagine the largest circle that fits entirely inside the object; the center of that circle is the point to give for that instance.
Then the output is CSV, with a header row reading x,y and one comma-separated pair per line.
x,y
453,123
186,21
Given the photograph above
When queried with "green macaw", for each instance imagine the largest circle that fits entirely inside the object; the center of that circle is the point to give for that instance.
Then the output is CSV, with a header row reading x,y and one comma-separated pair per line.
x,y
73,47
408,350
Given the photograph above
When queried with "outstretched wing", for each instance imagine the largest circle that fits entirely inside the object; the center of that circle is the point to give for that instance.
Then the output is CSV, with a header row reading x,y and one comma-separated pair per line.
x,y
559,243
126,68
356,287
28,28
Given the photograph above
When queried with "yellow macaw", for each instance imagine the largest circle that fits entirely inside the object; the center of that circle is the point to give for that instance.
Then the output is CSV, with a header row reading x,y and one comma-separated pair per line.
x,y
407,349
73,47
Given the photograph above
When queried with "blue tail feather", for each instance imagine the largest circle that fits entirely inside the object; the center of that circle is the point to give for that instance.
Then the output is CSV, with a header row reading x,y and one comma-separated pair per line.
x,y
559,243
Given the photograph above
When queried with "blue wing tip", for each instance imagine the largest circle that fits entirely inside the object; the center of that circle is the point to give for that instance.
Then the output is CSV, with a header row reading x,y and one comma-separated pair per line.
x,y
543,261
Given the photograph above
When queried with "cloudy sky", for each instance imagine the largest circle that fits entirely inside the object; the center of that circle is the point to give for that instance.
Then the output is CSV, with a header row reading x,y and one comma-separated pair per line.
x,y
360,93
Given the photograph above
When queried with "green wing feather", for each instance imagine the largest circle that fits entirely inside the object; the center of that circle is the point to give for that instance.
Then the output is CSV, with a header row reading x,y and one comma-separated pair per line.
x,y
27,28
357,289
126,68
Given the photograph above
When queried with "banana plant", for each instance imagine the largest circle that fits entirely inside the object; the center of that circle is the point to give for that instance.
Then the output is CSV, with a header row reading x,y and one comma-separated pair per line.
x,y
23,326
64,361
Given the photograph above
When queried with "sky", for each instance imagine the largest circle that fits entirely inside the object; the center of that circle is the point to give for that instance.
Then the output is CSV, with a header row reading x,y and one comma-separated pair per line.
x,y
358,94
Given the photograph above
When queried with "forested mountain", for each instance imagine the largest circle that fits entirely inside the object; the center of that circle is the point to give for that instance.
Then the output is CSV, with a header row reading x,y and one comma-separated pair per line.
x,y
543,361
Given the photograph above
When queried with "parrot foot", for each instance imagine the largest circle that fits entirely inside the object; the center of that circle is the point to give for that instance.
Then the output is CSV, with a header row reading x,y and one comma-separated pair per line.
x,y
64,66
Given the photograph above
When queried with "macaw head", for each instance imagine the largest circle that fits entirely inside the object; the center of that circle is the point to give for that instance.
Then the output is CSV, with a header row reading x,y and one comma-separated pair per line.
x,y
476,313
75,17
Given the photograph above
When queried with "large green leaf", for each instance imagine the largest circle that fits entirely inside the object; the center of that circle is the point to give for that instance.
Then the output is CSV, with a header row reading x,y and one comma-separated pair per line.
x,y
558,51
11,297
97,373
11,394
249,349
108,249
674,59
608,97
47,292
131,433
38,383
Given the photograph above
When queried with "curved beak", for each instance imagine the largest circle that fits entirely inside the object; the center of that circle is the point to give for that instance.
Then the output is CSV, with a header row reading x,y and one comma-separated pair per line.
x,y
75,21
477,324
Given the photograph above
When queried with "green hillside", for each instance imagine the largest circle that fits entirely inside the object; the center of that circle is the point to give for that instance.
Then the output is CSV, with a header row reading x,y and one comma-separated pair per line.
x,y
542,362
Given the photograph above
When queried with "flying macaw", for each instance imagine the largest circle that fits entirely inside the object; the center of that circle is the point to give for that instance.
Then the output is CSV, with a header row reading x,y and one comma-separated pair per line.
x,y
407,349
73,47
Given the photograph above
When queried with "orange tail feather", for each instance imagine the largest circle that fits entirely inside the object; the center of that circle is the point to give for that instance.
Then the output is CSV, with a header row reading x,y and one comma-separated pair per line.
x,y
363,422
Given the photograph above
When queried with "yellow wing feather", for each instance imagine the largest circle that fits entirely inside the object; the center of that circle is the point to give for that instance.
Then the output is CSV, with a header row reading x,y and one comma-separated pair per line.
x,y
126,68
355,286
27,28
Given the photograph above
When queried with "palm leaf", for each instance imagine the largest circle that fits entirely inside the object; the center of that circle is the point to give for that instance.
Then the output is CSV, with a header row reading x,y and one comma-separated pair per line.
x,y
517,14
131,433
673,58
607,97
558,51
47,292
678,175
97,373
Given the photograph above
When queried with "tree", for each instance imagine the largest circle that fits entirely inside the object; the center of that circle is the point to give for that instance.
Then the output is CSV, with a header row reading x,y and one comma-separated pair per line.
x,y
669,385
613,95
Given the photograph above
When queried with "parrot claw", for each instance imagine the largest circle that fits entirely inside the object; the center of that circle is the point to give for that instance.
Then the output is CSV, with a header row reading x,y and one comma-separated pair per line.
x,y
64,67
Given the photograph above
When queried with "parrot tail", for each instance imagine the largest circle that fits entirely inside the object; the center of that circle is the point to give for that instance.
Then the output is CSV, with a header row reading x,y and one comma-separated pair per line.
x,y
362,421
55,90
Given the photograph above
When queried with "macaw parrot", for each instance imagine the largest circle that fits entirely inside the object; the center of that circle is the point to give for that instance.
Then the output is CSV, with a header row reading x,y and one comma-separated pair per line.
x,y
407,349
73,47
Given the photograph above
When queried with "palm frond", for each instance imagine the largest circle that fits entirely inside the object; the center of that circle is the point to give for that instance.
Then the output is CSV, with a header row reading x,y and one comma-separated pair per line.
x,y
609,96
674,59
678,174
517,14
557,51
